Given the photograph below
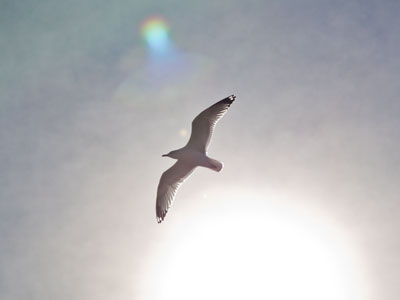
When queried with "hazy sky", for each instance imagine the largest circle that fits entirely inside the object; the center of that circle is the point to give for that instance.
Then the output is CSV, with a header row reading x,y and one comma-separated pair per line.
x,y
312,140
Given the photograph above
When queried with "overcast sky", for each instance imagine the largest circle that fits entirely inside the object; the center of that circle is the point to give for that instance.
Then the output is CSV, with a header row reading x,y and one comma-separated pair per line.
x,y
87,110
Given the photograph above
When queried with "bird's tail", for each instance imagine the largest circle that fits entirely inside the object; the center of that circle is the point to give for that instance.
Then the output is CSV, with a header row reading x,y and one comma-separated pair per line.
x,y
215,165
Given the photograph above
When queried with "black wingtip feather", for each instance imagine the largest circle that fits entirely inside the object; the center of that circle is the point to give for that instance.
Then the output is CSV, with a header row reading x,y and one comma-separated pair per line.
x,y
160,214
228,100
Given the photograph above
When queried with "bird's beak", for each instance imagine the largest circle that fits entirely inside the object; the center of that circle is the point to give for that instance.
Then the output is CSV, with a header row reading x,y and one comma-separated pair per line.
x,y
164,155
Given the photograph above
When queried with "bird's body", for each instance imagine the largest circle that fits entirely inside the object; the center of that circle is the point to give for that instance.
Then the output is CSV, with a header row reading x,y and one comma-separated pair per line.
x,y
193,155
197,158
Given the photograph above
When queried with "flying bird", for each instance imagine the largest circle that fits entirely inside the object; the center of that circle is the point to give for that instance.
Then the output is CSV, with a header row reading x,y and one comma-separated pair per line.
x,y
193,155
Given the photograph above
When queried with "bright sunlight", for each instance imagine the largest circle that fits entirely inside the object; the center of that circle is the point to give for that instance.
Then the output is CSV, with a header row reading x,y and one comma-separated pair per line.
x,y
258,253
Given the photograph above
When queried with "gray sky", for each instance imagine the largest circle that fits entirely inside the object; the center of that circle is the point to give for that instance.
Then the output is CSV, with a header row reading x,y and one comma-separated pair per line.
x,y
312,141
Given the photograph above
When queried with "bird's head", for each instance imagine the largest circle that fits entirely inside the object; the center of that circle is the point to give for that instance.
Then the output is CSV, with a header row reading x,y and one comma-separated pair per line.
x,y
172,154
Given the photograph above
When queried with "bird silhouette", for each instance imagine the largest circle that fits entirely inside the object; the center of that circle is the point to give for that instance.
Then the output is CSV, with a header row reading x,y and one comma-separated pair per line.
x,y
193,155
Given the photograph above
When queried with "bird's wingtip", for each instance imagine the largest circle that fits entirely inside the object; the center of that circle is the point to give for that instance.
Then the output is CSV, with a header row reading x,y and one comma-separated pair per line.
x,y
160,214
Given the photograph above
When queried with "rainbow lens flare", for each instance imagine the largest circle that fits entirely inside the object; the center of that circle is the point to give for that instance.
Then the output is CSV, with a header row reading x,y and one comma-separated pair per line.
x,y
154,30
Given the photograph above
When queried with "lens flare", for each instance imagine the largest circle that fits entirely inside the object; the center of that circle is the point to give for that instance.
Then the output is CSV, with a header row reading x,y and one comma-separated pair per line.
x,y
155,32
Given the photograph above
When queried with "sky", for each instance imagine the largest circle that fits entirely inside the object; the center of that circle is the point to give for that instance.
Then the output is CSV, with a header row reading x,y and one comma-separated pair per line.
x,y
306,206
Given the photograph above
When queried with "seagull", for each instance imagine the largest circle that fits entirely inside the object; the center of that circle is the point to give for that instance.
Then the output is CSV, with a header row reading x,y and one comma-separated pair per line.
x,y
193,155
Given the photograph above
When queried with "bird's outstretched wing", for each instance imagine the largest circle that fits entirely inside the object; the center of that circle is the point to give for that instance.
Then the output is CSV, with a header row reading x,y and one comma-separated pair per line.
x,y
203,125
170,181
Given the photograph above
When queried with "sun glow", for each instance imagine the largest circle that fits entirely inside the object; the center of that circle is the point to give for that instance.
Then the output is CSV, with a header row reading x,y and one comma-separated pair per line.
x,y
255,255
